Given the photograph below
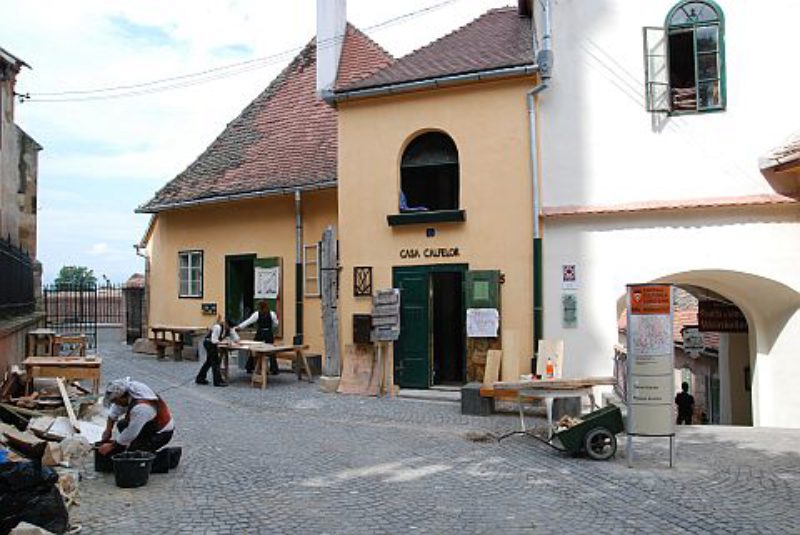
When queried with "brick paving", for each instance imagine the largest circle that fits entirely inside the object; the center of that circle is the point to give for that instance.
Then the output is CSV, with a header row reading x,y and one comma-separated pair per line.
x,y
291,459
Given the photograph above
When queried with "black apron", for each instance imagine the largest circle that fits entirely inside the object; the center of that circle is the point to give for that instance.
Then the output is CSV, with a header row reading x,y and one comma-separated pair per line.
x,y
264,328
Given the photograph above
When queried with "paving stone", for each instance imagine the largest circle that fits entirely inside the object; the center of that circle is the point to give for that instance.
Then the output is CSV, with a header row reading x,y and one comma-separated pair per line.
x,y
291,459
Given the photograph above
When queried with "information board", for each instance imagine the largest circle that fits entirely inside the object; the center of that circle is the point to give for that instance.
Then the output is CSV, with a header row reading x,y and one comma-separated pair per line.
x,y
651,357
386,315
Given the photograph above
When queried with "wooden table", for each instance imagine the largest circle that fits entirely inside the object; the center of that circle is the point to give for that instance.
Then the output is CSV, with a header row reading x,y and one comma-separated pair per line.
x,y
550,389
176,340
260,351
40,343
69,368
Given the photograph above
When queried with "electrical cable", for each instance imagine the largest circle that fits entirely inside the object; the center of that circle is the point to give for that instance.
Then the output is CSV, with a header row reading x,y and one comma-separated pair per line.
x,y
213,74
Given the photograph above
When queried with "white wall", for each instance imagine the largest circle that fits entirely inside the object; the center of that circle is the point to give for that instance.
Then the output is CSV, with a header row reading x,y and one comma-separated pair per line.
x,y
598,143
741,254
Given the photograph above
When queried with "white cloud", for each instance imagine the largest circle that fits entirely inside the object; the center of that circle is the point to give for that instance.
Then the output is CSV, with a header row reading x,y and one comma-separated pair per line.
x,y
102,159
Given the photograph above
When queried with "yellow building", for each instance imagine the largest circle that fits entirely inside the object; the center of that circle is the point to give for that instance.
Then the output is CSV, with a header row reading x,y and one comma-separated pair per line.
x,y
427,180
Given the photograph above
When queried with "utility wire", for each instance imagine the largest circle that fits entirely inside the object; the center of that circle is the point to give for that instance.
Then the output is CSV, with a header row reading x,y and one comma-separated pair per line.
x,y
213,74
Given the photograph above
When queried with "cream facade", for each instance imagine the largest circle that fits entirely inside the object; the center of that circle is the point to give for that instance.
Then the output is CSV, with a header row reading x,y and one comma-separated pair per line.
x,y
257,228
488,123
634,197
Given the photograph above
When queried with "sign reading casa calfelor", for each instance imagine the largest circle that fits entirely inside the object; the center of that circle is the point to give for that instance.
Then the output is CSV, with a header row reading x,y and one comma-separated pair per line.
x,y
430,252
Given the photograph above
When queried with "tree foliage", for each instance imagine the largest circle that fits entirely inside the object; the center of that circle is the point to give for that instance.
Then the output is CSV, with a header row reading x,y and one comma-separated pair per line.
x,y
75,276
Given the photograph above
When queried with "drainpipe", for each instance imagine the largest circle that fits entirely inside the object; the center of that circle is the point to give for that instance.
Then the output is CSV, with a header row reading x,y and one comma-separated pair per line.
x,y
298,270
544,59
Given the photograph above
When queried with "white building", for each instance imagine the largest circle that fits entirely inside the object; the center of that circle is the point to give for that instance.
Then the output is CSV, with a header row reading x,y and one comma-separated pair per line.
x,y
675,195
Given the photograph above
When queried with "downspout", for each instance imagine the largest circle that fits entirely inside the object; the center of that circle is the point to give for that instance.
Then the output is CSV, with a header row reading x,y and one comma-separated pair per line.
x,y
298,270
544,58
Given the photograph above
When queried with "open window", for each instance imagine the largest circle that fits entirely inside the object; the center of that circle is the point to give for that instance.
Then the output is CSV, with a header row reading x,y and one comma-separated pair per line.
x,y
429,181
684,60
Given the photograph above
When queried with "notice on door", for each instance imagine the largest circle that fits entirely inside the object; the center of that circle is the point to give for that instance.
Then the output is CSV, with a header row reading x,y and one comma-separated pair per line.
x,y
482,322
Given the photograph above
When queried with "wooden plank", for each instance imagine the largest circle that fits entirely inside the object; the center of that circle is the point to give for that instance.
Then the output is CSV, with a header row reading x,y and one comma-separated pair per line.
x,y
554,384
492,372
330,314
68,405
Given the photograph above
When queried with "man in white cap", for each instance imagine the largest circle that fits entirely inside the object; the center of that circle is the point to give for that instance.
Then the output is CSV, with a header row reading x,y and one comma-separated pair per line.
x,y
142,417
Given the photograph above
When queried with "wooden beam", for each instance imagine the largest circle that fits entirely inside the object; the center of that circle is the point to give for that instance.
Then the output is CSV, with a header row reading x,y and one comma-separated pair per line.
x,y
68,404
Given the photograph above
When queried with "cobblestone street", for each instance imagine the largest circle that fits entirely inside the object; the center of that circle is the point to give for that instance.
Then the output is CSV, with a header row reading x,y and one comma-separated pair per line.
x,y
291,459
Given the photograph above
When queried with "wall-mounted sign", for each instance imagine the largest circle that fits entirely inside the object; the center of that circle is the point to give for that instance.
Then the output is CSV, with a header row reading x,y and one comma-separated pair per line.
x,y
651,356
482,322
267,282
714,316
569,310
429,252
693,342
362,281
569,277
209,309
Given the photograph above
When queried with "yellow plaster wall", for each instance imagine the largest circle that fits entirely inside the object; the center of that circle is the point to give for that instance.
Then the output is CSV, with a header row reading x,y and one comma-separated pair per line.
x,y
489,124
265,227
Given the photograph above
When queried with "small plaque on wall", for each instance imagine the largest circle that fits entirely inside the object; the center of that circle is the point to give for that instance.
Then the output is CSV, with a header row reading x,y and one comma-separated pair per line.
x,y
362,281
210,309
569,310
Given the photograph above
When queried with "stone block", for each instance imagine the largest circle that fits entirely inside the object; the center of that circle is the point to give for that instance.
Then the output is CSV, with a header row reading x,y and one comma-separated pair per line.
x,y
329,384
472,403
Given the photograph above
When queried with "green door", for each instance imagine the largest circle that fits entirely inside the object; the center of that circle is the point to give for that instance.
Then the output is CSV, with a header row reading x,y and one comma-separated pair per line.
x,y
412,352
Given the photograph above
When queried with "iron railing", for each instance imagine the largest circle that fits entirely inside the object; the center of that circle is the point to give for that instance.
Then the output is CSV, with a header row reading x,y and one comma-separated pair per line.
x,y
16,281
79,308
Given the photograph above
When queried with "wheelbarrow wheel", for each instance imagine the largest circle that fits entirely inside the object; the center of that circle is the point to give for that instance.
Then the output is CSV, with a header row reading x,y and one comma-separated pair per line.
x,y
600,444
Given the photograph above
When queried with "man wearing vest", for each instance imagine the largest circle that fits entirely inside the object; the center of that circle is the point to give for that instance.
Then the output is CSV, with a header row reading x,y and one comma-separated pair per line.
x,y
142,418
266,324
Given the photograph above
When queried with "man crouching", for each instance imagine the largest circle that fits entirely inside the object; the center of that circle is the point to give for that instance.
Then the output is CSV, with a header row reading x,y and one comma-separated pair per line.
x,y
142,417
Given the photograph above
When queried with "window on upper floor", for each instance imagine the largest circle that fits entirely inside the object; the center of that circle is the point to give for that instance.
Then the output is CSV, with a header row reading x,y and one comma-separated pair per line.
x,y
190,274
685,61
429,174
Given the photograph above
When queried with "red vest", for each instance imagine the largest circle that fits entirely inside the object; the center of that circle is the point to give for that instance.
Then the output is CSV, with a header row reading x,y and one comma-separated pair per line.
x,y
163,415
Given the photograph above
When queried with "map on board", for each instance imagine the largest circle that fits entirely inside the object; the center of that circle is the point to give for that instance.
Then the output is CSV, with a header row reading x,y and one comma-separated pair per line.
x,y
650,335
267,281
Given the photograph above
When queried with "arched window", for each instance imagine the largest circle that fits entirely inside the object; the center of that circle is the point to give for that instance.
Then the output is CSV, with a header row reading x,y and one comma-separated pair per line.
x,y
429,174
685,59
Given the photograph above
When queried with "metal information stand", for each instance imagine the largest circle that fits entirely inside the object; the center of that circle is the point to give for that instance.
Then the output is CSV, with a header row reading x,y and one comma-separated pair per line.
x,y
651,363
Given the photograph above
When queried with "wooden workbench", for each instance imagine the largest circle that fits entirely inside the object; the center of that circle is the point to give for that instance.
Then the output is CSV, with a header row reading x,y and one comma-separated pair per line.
x,y
260,351
69,368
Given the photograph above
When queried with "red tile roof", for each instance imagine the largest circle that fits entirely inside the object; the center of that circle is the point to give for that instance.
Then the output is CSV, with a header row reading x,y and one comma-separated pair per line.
x,y
285,139
499,38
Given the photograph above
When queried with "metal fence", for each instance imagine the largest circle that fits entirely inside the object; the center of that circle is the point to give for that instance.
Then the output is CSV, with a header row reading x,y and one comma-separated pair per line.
x,y
16,281
79,308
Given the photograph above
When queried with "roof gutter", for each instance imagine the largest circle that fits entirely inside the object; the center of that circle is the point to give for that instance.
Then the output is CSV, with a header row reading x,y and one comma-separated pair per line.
x,y
276,192
442,81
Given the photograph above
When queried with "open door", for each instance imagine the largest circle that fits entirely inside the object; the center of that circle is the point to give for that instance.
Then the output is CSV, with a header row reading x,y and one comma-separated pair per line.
x,y
268,285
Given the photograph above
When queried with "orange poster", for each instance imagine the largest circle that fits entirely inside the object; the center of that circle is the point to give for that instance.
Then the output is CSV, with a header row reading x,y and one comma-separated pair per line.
x,y
650,299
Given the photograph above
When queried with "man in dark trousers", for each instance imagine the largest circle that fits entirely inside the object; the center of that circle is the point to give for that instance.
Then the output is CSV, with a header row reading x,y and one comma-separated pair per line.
x,y
685,402
218,332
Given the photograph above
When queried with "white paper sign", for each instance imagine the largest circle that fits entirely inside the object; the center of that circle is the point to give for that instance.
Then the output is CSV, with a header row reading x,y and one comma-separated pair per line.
x,y
267,282
482,322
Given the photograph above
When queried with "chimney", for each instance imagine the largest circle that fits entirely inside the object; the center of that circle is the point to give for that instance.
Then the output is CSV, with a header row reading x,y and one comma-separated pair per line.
x,y
331,27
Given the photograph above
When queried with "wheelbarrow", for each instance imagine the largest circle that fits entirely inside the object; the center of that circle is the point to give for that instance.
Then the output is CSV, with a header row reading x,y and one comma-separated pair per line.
x,y
596,435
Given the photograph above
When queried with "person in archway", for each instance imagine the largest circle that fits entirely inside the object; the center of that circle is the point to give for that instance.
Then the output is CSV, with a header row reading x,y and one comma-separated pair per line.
x,y
218,332
685,402
266,324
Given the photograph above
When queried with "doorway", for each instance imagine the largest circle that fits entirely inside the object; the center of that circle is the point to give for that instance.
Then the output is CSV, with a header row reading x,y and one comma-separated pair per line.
x,y
431,348
239,287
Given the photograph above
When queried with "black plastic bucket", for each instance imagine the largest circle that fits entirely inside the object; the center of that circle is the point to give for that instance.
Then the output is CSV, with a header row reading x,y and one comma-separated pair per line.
x,y
132,468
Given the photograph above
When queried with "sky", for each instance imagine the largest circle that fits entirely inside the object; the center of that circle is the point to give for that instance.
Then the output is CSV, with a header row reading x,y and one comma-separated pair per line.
x,y
103,157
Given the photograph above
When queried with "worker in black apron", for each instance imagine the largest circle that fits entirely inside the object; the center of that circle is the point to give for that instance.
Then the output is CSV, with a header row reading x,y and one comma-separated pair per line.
x,y
266,323
218,332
